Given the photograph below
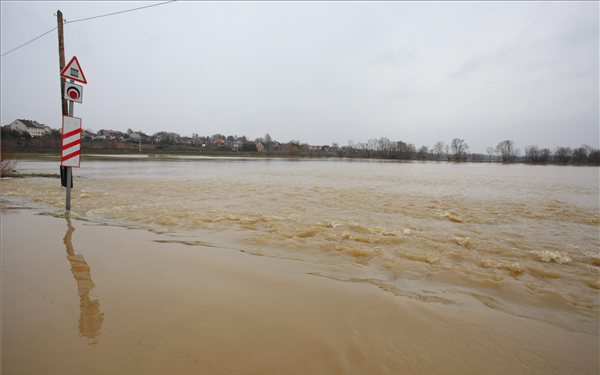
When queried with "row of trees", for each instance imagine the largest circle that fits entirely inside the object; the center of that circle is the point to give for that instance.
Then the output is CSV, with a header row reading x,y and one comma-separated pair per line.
x,y
458,150
536,155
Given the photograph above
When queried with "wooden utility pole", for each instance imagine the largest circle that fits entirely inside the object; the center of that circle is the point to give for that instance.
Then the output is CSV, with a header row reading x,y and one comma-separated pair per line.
x,y
66,171
61,57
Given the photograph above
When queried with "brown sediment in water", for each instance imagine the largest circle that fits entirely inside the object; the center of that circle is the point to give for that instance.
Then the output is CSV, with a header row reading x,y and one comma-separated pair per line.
x,y
159,305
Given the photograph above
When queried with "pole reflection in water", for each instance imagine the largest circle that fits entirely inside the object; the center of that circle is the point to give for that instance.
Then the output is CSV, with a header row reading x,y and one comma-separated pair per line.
x,y
90,318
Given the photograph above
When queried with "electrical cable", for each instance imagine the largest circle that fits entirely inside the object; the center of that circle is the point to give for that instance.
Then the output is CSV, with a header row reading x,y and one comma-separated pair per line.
x,y
26,43
85,19
123,11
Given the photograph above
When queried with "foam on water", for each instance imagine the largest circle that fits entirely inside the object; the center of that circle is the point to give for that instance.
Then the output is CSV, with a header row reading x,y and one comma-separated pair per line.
x,y
552,256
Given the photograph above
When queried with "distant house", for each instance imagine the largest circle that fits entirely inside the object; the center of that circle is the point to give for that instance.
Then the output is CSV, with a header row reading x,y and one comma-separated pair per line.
x,y
33,128
89,135
166,138
219,141
138,136
103,133
260,147
110,134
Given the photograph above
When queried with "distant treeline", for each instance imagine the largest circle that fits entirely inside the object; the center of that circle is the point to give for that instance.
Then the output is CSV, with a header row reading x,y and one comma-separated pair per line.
x,y
458,151
383,148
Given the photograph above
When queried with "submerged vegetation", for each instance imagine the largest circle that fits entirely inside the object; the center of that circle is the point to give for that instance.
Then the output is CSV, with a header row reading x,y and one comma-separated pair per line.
x,y
7,160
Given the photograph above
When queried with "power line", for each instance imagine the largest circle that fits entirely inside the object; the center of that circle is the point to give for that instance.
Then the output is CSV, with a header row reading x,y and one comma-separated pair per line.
x,y
123,11
85,19
26,43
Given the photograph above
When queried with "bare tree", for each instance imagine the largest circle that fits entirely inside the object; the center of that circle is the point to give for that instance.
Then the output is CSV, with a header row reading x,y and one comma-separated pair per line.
x,y
580,154
405,150
268,141
7,163
506,151
438,150
594,157
532,154
563,155
423,152
371,147
537,156
459,149
385,147
295,148
491,151
544,155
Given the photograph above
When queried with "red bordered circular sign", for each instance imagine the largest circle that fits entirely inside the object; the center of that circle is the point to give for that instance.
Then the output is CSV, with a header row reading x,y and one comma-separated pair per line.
x,y
73,92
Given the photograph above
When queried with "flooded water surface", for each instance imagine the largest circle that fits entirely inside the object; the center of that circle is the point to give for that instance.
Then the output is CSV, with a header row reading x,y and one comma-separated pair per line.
x,y
519,240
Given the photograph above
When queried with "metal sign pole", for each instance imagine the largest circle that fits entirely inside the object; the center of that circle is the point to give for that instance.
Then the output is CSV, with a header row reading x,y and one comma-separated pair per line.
x,y
68,171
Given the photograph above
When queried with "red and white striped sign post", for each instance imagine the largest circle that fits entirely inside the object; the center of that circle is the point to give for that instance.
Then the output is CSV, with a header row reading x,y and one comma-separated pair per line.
x,y
71,127
71,142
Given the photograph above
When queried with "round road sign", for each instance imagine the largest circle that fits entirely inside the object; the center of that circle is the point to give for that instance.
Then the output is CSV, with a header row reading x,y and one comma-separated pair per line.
x,y
73,93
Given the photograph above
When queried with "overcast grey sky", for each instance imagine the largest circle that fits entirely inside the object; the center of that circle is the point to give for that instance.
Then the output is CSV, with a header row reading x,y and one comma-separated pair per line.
x,y
318,72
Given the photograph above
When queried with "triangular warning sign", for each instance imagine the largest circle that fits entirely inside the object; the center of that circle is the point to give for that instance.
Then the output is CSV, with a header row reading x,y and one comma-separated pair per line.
x,y
73,71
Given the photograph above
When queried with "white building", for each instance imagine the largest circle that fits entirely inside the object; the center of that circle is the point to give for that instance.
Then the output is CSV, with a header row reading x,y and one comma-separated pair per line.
x,y
34,128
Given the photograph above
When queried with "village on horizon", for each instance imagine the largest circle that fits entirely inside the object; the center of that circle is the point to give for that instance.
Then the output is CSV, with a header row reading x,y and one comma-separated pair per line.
x,y
456,150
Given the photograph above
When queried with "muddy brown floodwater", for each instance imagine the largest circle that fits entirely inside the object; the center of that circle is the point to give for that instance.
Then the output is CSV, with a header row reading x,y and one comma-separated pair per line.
x,y
196,265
